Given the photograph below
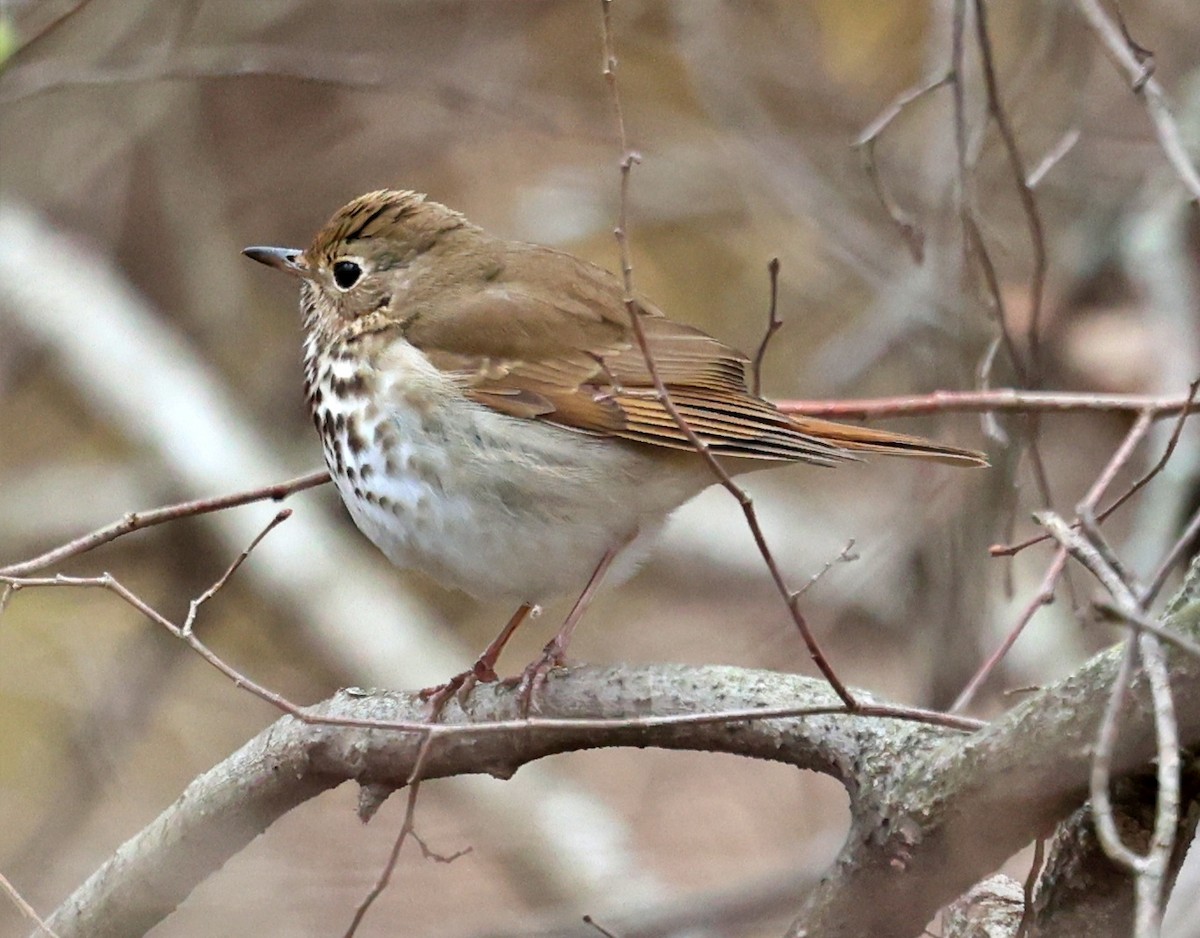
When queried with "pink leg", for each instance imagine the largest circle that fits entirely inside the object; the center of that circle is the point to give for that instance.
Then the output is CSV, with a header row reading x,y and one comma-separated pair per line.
x,y
554,654
484,669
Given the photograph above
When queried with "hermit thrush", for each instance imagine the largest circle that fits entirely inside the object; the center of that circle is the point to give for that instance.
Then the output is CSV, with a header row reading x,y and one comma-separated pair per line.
x,y
489,418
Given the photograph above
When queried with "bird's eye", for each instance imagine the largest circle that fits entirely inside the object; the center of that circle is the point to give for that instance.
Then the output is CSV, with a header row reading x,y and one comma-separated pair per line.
x,y
346,273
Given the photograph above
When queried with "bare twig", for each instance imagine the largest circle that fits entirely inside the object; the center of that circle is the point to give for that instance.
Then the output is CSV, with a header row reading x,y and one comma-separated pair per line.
x,y
1150,869
194,606
1037,281
136,520
1131,58
628,159
406,828
1144,418
1007,400
774,324
1045,593
1170,560
1147,624
1042,597
1052,158
600,930
845,555
1031,879
24,907
912,233
303,714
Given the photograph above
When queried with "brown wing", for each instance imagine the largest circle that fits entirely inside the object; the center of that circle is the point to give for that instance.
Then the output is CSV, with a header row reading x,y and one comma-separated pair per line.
x,y
569,357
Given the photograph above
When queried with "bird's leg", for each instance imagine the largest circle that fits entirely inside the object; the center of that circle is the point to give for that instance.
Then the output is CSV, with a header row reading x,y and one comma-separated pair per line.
x,y
484,669
485,666
554,654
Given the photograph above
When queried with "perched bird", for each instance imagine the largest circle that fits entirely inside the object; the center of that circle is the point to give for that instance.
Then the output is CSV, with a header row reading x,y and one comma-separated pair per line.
x,y
489,417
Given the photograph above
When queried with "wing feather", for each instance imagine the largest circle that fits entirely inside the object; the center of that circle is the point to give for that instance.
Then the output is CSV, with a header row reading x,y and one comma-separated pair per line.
x,y
569,357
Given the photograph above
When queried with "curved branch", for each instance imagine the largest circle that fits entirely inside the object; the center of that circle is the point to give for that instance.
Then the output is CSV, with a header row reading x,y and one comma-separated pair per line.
x,y
932,809
224,809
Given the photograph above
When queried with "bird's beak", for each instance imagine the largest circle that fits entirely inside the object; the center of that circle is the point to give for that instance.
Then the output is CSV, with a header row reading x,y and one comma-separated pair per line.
x,y
286,259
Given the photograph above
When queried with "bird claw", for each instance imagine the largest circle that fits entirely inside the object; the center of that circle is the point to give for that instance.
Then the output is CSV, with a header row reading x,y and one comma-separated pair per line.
x,y
533,678
458,687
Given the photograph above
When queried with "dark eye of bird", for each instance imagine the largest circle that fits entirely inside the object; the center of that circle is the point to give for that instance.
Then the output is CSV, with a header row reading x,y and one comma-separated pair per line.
x,y
346,273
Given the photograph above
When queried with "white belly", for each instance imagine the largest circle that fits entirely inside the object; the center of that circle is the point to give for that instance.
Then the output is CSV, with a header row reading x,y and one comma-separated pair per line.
x,y
497,506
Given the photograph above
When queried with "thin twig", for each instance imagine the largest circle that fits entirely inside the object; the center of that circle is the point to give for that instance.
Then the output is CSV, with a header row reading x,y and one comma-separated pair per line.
x,y
406,828
1008,400
135,521
604,932
1172,558
301,713
1033,218
1131,59
1167,453
1031,880
1147,624
1045,594
1102,808
913,234
1150,870
1042,597
24,907
195,604
628,159
774,324
1144,56
1137,486
1052,158
846,555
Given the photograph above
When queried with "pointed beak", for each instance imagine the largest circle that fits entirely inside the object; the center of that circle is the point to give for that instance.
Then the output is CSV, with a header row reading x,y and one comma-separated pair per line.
x,y
286,259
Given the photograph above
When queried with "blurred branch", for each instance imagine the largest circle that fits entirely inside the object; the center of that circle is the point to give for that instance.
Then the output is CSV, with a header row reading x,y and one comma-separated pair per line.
x,y
136,520
1133,61
25,908
913,234
1057,566
46,31
1033,218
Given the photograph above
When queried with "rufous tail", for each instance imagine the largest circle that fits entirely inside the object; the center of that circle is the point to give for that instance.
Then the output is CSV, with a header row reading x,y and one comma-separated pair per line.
x,y
869,440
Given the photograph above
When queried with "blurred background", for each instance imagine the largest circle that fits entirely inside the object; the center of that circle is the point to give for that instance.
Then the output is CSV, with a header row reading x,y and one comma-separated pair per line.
x,y
143,361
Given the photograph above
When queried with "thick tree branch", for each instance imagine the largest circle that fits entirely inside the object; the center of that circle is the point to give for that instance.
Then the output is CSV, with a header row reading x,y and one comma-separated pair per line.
x,y
958,811
227,807
932,809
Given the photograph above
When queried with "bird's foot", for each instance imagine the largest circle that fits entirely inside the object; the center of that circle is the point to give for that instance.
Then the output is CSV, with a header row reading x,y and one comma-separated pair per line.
x,y
533,678
459,686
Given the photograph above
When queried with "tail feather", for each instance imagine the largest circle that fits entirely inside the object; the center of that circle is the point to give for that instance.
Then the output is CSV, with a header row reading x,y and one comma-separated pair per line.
x,y
869,440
